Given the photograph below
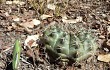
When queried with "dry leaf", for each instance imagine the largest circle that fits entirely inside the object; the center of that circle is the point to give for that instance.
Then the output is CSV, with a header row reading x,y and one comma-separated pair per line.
x,y
36,22
70,68
48,1
30,24
102,37
16,19
19,2
65,20
108,28
14,25
108,43
27,24
109,22
6,14
29,53
9,2
28,30
15,2
104,58
31,40
51,6
9,28
44,16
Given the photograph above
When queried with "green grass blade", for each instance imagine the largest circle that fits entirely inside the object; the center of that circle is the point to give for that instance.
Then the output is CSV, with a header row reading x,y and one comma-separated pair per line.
x,y
16,54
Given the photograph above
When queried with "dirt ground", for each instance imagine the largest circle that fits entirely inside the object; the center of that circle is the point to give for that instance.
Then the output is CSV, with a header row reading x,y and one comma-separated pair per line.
x,y
95,14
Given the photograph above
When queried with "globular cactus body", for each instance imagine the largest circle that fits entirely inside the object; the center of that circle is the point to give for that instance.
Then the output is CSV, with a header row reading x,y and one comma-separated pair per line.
x,y
66,45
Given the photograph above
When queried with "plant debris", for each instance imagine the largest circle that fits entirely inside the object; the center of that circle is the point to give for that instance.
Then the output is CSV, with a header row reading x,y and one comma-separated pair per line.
x,y
28,20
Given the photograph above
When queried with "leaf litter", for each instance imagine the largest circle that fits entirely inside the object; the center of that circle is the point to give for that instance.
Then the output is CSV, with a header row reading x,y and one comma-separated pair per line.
x,y
30,26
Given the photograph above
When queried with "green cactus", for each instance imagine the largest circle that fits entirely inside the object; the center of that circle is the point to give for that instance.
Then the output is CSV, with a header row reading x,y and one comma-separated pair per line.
x,y
77,46
57,41
85,42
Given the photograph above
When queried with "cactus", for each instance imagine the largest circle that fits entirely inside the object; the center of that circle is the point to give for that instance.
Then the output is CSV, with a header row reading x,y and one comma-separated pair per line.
x,y
85,42
57,41
77,46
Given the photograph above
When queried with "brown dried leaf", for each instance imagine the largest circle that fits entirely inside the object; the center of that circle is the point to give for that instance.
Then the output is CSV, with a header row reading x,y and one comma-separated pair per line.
x,y
44,16
30,24
16,19
29,53
31,40
104,58
10,28
27,24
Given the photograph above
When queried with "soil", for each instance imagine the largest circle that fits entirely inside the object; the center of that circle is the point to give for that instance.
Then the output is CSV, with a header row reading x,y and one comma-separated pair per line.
x,y
95,14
